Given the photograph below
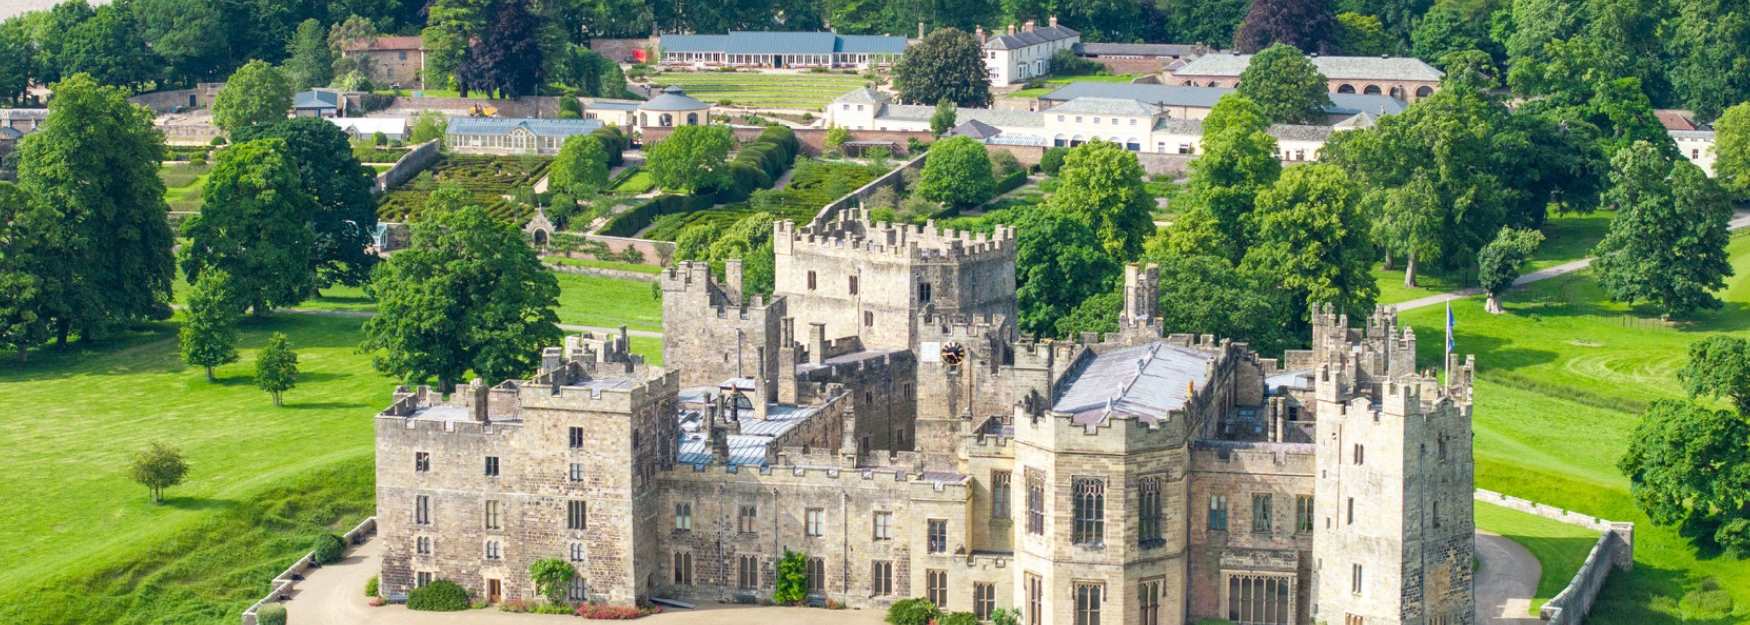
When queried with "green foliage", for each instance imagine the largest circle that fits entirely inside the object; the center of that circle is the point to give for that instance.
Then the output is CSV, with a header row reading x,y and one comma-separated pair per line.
x,y
792,583
276,367
373,587
1498,263
428,126
255,224
957,618
943,119
836,138
465,179
691,159
1238,161
1285,85
911,611
1065,62
1689,466
342,192
257,93
1101,183
948,64
1206,294
209,335
957,173
1312,238
328,549
271,614
582,160
1052,160
310,62
1732,149
1305,24
467,294
1005,616
1708,42
1667,244
1719,367
1706,602
552,576
438,596
158,467
1059,261
1362,35
748,240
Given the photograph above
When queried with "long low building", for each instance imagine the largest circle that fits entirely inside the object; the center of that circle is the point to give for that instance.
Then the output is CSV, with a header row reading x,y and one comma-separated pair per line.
x,y
487,135
1404,78
773,49
1183,102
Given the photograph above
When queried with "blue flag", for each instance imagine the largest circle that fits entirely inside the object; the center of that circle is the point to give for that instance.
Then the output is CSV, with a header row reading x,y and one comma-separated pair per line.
x,y
1449,323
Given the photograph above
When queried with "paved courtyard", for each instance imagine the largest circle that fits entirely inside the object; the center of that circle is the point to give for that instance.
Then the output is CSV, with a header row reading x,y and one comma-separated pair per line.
x,y
1505,582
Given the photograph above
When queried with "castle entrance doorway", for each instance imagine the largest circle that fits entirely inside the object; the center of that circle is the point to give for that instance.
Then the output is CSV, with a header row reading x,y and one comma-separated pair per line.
x,y
494,591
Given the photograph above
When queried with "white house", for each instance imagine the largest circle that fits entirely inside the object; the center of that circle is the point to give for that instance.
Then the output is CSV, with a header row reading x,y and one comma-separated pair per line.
x,y
394,128
1697,146
1013,57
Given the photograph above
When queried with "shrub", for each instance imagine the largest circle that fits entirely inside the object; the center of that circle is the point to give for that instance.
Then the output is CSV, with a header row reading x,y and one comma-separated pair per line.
x,y
606,612
218,140
957,618
372,586
911,612
1005,616
439,596
271,614
551,576
328,549
792,586
1052,160
1003,163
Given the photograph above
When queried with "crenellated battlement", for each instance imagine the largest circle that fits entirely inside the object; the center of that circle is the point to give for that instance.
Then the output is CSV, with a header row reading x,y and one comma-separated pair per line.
x,y
854,233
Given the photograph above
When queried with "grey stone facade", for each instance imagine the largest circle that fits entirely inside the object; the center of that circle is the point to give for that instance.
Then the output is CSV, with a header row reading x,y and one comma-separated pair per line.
x,y
879,414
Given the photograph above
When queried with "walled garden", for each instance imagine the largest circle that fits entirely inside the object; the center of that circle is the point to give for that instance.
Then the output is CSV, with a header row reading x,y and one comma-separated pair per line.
x,y
488,180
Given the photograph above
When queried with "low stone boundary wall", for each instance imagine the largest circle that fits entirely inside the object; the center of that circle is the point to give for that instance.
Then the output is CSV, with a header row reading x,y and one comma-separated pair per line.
x,y
283,583
408,166
603,272
855,198
1615,549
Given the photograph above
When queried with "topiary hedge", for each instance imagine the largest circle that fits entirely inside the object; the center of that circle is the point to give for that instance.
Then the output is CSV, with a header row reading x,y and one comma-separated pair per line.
x,y
271,614
439,596
328,549
911,612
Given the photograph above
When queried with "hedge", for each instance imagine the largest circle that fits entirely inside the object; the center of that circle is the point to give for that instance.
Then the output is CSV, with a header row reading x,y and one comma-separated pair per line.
x,y
639,217
614,142
912,611
1011,182
271,614
328,549
439,596
623,176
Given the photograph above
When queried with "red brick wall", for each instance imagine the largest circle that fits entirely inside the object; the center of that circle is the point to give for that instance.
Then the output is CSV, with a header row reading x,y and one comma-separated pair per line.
x,y
621,50
1130,66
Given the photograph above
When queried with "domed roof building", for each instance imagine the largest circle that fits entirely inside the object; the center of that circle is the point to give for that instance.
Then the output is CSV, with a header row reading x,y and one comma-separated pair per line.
x,y
673,107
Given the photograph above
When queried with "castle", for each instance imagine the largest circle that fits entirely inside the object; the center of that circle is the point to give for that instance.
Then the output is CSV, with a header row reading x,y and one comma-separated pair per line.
x,y
879,415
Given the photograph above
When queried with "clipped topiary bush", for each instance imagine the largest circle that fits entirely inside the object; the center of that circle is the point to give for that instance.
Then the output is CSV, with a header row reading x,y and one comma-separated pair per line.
x,y
439,596
271,614
371,586
957,618
911,612
328,549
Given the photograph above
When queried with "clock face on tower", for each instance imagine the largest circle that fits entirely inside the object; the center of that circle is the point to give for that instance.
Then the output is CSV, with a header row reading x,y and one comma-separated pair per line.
x,y
953,354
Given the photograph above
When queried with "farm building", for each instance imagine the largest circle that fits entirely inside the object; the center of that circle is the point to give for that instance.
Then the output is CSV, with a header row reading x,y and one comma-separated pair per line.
x,y
781,49
1404,78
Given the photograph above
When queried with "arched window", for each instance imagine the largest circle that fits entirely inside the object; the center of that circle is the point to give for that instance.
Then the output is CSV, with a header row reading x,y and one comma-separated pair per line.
x,y
1397,92
1424,91
1371,90
1346,88
692,119
667,120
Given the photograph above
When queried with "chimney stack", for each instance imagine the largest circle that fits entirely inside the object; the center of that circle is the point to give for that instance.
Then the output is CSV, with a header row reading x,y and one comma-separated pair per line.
x,y
1030,25
817,343
1011,28
920,29
732,279
481,397
1053,20
979,32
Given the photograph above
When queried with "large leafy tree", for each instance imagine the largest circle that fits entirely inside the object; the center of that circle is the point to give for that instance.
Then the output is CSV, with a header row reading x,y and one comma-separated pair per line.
x,y
1397,16
1205,294
341,187
691,159
208,336
1709,46
469,294
1238,160
23,322
1732,149
1689,466
947,64
1667,243
507,59
749,239
1101,183
957,173
110,47
1363,35
194,37
1211,22
1285,85
1305,24
17,61
99,238
254,224
1455,26
1312,240
581,161
1719,367
1499,262
1059,262
257,94
450,26
310,62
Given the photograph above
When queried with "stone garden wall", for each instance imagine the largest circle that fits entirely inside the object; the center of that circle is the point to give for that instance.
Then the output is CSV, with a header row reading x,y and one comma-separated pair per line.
x,y
1615,549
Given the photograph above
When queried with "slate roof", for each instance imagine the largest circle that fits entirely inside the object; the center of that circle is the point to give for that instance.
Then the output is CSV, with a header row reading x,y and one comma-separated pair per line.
x,y
1105,106
746,448
1356,103
975,129
673,98
502,125
1297,132
9,133
37,114
1137,49
1025,38
1333,67
1144,382
612,105
1359,120
316,99
1206,97
783,42
1705,135
862,95
394,126
994,117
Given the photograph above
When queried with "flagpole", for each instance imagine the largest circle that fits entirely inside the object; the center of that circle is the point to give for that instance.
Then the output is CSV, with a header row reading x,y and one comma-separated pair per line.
x,y
1446,363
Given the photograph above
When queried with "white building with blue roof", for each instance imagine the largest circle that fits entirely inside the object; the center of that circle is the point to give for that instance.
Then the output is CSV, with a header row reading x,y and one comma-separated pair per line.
x,y
516,136
780,49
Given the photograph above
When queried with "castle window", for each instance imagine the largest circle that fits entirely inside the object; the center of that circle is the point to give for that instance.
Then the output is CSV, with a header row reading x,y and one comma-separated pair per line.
x,y
421,461
984,600
577,590
936,587
883,525
492,466
683,517
492,552
1259,599
880,578
1261,522
811,281
492,516
422,510
1035,502
938,537
683,568
577,552
1440,449
576,438
745,520
1217,513
1090,511
1035,600
815,519
1149,500
923,292
1355,579
421,578
422,545
576,472
576,515
1088,603
747,572
1351,510
816,575
1435,514
853,280
999,491
1359,455
1354,619
1303,514
868,319
1148,602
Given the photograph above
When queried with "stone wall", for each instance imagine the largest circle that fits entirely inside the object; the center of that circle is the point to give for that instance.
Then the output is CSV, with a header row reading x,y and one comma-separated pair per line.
x,y
526,106
162,102
1130,66
602,272
1615,549
855,198
190,133
408,166
283,583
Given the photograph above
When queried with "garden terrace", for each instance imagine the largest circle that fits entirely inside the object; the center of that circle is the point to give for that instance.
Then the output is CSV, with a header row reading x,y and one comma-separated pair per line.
x,y
488,180
813,184
803,90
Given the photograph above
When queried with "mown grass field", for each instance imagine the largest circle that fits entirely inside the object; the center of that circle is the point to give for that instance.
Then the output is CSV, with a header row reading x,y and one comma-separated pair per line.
x,y
806,90
1561,381
608,302
1560,548
1567,238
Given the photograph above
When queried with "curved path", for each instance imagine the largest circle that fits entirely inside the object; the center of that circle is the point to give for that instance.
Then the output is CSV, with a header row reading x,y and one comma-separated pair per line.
x,y
1506,580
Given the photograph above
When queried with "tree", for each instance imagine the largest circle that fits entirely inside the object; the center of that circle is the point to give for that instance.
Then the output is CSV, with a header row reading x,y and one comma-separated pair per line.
x,y
506,59
1667,243
342,191
310,63
450,26
581,161
158,467
16,58
1286,85
947,64
209,335
1059,262
1204,294
100,243
354,31
1708,43
1498,263
1238,160
1410,222
943,119
691,159
957,173
1052,161
193,38
276,367
836,138
256,94
1312,240
792,583
1304,24
1362,35
1732,149
1454,26
1209,22
467,294
255,225
1101,183
1719,367
109,47
23,322
1689,466
428,126
552,577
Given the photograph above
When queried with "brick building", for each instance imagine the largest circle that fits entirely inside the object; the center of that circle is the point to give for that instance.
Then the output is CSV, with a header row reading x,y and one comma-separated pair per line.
x,y
396,60
879,415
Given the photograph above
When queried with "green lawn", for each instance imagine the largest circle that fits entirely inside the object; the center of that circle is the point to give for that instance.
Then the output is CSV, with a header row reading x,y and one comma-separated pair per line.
x,y
184,185
810,91
1562,378
1058,82
602,264
607,302
1560,548
1567,238
638,183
